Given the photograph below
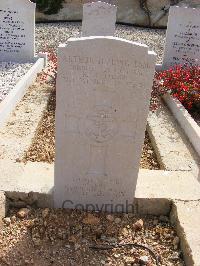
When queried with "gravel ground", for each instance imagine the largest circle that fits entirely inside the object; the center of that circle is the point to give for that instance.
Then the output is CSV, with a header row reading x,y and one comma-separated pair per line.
x,y
10,74
64,237
57,33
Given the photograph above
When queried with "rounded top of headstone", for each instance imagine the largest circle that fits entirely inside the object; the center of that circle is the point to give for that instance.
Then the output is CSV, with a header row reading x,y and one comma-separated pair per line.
x,y
99,4
18,3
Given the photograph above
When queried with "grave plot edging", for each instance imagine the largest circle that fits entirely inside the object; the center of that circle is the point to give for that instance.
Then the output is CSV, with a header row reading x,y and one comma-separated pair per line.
x,y
9,103
185,217
173,148
187,123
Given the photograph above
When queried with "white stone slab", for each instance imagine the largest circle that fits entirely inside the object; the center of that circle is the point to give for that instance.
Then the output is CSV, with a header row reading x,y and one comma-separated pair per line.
x,y
17,93
103,92
183,37
17,30
99,19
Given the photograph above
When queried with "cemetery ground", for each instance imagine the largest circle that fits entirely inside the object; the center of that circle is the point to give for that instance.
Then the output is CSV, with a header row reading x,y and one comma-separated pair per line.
x,y
66,237
63,237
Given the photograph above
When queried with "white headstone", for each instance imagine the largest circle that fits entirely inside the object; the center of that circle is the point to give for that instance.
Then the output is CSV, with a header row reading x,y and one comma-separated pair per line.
x,y
17,30
99,19
103,93
183,37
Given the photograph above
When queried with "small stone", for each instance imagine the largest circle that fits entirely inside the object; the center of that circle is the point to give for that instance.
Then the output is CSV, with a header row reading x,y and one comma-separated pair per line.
x,y
45,213
45,223
116,255
103,237
117,220
7,220
125,232
175,256
176,241
77,246
138,225
130,260
91,220
110,218
22,213
164,219
13,219
144,260
72,239
175,247
37,241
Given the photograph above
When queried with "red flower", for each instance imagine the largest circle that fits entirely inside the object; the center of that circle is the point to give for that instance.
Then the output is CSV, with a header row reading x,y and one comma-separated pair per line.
x,y
183,82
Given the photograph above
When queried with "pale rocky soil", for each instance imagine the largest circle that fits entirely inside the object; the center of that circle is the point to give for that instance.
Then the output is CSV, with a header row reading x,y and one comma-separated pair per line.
x,y
65,237
57,33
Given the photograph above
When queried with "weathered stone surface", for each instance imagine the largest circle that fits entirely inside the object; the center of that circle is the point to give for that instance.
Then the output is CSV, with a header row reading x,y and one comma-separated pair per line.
x,y
183,37
99,19
185,216
102,106
129,11
17,26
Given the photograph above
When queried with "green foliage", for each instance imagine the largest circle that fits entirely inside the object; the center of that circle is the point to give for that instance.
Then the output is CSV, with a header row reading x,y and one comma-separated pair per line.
x,y
49,6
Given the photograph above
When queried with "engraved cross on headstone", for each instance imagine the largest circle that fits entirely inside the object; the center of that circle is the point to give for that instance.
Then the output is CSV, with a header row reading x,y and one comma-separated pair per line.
x,y
100,129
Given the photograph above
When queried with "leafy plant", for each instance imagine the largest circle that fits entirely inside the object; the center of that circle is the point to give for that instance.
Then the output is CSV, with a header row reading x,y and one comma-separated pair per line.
x,y
49,6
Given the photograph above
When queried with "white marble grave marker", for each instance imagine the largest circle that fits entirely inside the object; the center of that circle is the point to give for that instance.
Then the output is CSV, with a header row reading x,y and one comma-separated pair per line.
x,y
183,37
99,19
17,30
103,92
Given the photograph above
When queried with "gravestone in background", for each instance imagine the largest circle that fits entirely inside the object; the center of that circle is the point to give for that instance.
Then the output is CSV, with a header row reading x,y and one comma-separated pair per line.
x,y
183,37
103,93
17,30
99,19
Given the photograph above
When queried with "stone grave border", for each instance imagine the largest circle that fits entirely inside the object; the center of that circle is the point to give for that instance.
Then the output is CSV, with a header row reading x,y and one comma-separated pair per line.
x,y
158,193
187,123
16,94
